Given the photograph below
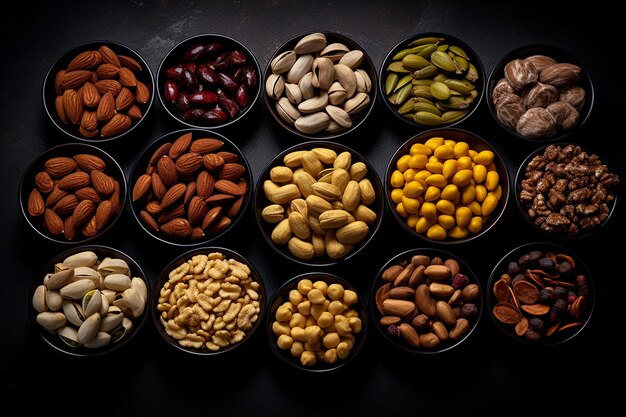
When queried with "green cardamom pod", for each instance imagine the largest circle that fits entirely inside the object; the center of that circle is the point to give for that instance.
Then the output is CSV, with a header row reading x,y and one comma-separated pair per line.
x,y
427,72
397,67
414,62
425,82
472,73
461,64
425,118
455,103
407,106
403,94
401,54
403,81
390,82
424,100
423,106
443,48
451,116
440,77
426,52
443,61
440,91
458,51
426,40
461,86
422,91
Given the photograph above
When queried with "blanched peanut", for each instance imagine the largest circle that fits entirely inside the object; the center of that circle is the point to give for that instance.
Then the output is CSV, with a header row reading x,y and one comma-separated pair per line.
x,y
308,358
316,296
284,342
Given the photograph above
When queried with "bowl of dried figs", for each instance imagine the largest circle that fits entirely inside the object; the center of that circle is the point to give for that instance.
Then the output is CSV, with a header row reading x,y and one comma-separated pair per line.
x,y
209,80
98,91
540,93
541,294
566,191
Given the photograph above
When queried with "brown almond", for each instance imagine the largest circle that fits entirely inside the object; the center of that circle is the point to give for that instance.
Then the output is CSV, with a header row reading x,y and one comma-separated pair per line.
x,y
172,195
90,94
66,205
89,121
124,99
127,77
190,192
106,107
141,187
115,197
219,199
142,93
57,82
52,222
158,187
178,227
106,71
402,293
206,145
171,213
417,276
89,229
162,150
211,217
188,163
55,195
205,184
118,124
404,276
153,207
197,210
410,335
231,171
227,187
108,86
35,206
229,157
59,166
74,181
400,308
87,133
102,183
58,106
88,162
221,225
104,212
243,185
43,182
234,208
134,112
130,63
109,56
167,170
83,212
85,60
88,193
149,220
74,79
197,233
391,273
69,230
212,161
180,145
73,105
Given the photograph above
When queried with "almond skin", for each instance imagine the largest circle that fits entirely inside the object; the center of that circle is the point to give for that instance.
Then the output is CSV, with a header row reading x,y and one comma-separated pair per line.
x,y
172,213
58,105
228,187
173,194
231,171
190,192
206,145
105,71
142,93
162,150
35,206
69,229
167,170
90,229
74,79
88,162
109,56
102,183
83,212
66,205
211,217
55,195
178,227
88,193
158,187
205,184
127,78
188,163
108,86
213,161
149,220
106,107
85,60
142,186
104,212
74,181
130,63
43,182
73,105
180,145
197,210
91,95
134,112
53,222
124,99
118,124
89,121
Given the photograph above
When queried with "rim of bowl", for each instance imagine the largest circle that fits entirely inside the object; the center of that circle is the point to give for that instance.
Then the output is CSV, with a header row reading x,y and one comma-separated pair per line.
x,y
178,50
477,61
524,211
48,88
514,254
406,255
52,340
321,261
361,116
497,72
144,158
423,136
29,175
278,297
163,278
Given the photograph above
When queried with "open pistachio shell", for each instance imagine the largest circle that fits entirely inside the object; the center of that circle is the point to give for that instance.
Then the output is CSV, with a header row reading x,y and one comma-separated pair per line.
x,y
86,258
113,266
69,336
101,339
39,299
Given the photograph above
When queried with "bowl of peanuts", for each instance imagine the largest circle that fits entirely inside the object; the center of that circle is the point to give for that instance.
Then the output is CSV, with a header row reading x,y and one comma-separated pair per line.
x,y
316,322
208,301
447,186
318,203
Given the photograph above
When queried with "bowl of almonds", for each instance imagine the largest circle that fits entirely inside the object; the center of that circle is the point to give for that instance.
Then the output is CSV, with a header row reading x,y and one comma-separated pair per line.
x,y
98,91
189,187
320,85
72,193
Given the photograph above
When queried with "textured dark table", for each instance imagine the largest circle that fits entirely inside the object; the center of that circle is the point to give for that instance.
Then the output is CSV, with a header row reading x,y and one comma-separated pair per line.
x,y
489,375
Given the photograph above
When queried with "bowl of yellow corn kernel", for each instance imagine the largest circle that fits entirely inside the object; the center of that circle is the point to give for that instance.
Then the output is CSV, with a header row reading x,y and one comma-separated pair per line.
x,y
447,185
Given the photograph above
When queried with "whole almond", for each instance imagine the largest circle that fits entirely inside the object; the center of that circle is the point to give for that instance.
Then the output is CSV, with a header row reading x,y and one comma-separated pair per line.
x,y
59,166
130,63
89,121
88,193
197,210
234,208
104,212
91,95
106,107
74,79
127,78
106,70
180,145
221,225
74,181
35,206
55,195
57,82
158,187
118,124
173,195
162,150
190,192
227,187
87,133
205,184
141,187
219,199
391,273
108,86
231,171
229,157
188,163
102,183
89,229
69,230
212,161
58,106
134,112
149,220
197,233
109,56
402,293
43,182
400,308
153,207
142,93
211,217
167,170
87,162
73,105
173,212
66,205
53,222
124,99
83,212
178,227
85,60
206,145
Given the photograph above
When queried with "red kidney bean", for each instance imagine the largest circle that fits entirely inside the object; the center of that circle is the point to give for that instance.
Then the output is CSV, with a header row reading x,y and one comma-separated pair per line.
x,y
171,91
191,83
206,76
250,78
191,66
195,52
203,97
229,105
214,48
183,101
237,57
241,96
226,81
215,116
175,73
194,115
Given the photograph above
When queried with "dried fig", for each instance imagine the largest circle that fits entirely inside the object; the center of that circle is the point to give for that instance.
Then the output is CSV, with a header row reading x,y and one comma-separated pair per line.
x,y
574,95
509,109
540,95
520,73
565,115
535,123
560,75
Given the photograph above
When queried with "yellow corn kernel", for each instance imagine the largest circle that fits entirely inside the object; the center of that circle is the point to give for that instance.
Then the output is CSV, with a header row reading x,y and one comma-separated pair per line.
x,y
396,195
472,154
468,194
412,189
433,142
401,211
465,162
403,162
436,232
411,205
445,207
435,167
489,204
492,180
461,149
475,225
474,206
397,179
418,161
432,193
444,152
463,215
411,221
428,210
450,168
437,180
450,192
484,157
479,173
462,178
423,224
420,148
449,142
481,193
457,232
446,221
409,174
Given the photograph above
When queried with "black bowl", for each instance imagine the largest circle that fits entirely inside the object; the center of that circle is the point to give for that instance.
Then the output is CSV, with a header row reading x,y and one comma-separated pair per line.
x,y
367,65
282,295
54,341
50,94
164,278
558,336
27,183
448,40
261,201
476,143
558,54
398,341
141,164
562,235
176,56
